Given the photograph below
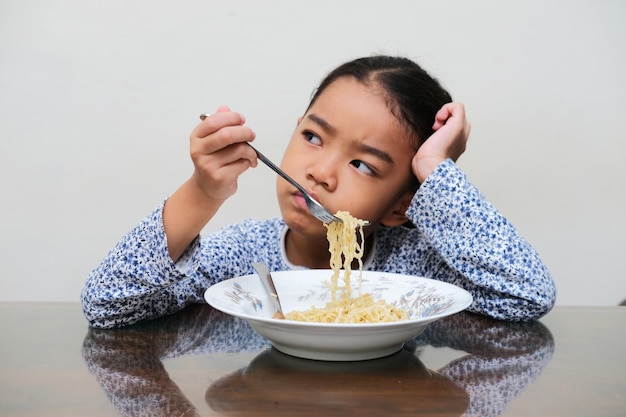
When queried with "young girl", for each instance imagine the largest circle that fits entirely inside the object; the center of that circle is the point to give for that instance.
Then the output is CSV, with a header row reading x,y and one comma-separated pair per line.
x,y
379,139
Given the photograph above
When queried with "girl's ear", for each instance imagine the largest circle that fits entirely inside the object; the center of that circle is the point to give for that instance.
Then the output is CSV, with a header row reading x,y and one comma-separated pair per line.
x,y
396,216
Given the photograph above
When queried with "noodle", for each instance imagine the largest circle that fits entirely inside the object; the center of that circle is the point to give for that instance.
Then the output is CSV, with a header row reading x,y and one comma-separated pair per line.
x,y
362,309
344,243
342,240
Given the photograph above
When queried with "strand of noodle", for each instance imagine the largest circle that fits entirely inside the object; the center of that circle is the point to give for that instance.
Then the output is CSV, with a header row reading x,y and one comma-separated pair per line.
x,y
344,243
334,237
351,310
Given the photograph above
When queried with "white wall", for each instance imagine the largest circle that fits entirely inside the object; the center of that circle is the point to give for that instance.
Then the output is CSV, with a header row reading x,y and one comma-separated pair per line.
x,y
97,99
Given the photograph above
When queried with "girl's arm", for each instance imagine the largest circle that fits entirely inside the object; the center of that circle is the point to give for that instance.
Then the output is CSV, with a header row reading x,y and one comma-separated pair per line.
x,y
481,249
138,279
219,157
146,274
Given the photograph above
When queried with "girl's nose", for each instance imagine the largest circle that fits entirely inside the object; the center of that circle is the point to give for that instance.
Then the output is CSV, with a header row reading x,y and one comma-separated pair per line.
x,y
324,172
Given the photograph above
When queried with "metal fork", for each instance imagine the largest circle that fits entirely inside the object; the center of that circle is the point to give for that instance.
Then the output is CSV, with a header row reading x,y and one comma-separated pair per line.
x,y
315,208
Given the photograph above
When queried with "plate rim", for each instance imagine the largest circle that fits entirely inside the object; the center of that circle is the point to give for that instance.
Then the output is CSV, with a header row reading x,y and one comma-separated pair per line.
x,y
463,303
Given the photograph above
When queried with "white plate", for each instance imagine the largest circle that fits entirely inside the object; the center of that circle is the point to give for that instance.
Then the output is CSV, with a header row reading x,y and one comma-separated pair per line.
x,y
425,300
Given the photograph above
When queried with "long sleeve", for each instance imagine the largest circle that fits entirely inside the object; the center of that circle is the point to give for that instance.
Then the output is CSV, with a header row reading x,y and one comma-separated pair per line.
x,y
137,275
138,280
460,238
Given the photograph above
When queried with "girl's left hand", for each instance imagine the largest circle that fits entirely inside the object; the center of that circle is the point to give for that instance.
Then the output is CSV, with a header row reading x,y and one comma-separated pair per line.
x,y
448,141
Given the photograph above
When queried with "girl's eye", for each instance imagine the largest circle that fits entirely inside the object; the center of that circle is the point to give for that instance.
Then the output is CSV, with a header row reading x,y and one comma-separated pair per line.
x,y
363,167
312,138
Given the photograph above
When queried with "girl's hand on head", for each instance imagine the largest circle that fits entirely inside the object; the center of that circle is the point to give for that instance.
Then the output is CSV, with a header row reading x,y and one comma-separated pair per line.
x,y
449,140
219,153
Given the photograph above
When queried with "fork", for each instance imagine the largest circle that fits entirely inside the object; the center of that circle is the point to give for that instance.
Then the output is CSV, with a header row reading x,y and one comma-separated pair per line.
x,y
314,207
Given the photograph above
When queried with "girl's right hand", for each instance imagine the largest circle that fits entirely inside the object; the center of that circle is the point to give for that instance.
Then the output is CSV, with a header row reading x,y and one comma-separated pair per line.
x,y
219,153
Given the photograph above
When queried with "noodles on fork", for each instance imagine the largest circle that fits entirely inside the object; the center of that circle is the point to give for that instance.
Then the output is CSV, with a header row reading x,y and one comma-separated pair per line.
x,y
345,247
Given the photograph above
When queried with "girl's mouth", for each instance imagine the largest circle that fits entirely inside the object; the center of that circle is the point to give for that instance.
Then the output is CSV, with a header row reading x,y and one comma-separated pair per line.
x,y
300,201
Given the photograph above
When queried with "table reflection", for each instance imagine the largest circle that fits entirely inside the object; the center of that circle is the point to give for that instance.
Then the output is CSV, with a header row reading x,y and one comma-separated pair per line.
x,y
281,385
503,358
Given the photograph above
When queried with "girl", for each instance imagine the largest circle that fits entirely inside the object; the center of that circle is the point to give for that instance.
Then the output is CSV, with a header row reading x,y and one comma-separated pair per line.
x,y
379,139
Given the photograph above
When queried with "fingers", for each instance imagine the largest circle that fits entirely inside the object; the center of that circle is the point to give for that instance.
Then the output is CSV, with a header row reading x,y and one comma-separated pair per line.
x,y
449,111
212,123
452,115
448,141
219,109
219,152
440,117
222,129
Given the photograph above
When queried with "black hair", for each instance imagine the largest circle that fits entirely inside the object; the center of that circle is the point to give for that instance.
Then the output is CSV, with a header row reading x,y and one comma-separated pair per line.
x,y
413,96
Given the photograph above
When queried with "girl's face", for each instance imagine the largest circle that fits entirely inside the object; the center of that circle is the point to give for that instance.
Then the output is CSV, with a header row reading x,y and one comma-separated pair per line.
x,y
351,154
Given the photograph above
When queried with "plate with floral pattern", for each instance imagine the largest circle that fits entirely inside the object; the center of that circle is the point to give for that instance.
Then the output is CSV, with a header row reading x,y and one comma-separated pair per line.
x,y
424,299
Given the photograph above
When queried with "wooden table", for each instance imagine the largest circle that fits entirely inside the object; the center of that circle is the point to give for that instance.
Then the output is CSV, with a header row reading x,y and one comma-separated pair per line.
x,y
202,362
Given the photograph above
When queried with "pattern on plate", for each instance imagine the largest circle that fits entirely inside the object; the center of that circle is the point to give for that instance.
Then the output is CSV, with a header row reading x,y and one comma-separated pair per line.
x,y
420,301
239,294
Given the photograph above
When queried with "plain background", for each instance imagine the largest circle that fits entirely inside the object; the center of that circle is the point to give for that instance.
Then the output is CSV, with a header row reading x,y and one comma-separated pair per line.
x,y
98,98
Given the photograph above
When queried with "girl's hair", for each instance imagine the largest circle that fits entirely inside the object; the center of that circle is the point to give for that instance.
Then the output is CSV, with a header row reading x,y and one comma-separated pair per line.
x,y
413,96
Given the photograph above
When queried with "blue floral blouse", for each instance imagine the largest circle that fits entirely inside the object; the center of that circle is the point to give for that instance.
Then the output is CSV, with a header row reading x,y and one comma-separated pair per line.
x,y
459,237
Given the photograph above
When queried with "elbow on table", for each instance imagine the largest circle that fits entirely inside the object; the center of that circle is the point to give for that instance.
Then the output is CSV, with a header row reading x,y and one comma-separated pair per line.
x,y
543,300
105,310
97,314
101,318
103,314
535,309
532,299
515,308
